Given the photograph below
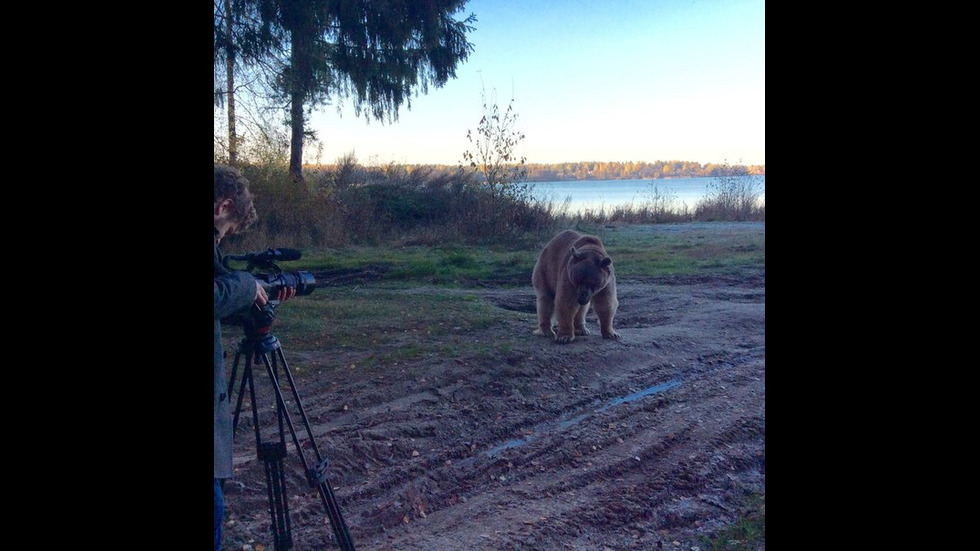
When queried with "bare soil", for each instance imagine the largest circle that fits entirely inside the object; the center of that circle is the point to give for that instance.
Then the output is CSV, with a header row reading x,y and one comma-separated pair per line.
x,y
653,441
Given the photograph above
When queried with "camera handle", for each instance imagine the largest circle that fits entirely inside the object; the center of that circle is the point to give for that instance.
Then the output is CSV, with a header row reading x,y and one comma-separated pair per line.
x,y
261,345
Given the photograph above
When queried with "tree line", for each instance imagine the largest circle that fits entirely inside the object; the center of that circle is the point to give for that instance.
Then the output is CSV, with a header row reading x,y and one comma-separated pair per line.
x,y
642,170
604,170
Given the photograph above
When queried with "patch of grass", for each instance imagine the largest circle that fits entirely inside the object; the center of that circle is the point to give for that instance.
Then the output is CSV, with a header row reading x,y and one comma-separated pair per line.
x,y
384,324
685,249
431,265
746,534
706,248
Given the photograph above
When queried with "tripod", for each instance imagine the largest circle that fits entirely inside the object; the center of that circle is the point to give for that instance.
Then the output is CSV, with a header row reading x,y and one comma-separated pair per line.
x,y
259,344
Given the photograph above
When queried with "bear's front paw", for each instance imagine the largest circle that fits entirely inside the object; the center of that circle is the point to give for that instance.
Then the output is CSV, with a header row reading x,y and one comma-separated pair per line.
x,y
564,339
611,334
544,332
581,331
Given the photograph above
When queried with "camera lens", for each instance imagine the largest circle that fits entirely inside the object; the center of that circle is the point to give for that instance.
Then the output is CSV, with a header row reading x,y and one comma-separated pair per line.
x,y
303,282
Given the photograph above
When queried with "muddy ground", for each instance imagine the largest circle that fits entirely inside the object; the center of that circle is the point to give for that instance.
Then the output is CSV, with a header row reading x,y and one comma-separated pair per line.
x,y
654,441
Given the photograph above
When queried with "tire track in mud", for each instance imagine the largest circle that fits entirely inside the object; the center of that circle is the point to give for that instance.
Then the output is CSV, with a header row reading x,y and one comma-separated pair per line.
x,y
574,469
572,448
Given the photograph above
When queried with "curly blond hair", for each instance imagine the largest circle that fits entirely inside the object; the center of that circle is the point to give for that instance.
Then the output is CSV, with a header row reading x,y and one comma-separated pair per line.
x,y
229,183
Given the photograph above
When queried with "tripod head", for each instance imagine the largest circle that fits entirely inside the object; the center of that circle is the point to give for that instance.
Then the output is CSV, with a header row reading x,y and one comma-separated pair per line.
x,y
256,322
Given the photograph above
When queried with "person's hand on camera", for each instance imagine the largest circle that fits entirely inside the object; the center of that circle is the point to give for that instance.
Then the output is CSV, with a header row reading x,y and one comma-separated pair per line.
x,y
261,297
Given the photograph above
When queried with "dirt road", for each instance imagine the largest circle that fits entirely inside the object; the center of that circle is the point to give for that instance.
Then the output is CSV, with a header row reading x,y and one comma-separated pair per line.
x,y
654,441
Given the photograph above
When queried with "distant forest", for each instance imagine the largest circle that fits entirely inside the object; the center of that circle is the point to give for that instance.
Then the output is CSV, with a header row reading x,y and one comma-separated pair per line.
x,y
600,170
537,172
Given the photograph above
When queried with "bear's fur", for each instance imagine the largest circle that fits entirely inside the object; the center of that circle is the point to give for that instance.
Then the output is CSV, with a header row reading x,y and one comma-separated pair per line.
x,y
573,273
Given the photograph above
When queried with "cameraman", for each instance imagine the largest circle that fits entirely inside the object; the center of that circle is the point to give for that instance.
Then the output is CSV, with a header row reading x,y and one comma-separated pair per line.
x,y
234,292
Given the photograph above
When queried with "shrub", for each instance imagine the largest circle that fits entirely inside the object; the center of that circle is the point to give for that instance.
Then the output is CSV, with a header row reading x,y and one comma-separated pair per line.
x,y
733,195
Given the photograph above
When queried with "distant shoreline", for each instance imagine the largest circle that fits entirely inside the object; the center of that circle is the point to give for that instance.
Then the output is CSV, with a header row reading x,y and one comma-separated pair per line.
x,y
601,170
625,178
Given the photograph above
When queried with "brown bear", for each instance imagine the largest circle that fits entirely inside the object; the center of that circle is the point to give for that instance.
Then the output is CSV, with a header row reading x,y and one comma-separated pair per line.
x,y
572,273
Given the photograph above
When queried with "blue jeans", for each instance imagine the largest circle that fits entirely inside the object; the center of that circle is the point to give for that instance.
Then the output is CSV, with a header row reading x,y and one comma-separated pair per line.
x,y
219,513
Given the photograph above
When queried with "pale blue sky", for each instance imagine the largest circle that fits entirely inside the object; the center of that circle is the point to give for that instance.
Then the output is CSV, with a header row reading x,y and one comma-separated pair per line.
x,y
617,80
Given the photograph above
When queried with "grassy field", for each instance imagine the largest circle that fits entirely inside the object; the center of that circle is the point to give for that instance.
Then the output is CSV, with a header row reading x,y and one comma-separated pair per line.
x,y
380,323
702,248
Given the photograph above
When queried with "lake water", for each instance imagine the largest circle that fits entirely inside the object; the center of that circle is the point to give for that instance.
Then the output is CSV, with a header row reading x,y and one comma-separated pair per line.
x,y
606,194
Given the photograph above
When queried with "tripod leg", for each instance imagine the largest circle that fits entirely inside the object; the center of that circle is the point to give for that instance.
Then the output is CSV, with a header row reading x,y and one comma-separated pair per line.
x,y
299,405
340,530
246,379
282,412
234,371
316,476
272,454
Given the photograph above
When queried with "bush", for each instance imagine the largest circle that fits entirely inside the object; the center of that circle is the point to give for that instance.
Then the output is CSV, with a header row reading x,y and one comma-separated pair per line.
x,y
352,205
733,195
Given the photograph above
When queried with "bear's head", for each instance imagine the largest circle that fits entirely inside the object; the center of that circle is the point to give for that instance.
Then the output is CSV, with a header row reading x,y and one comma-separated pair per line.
x,y
589,271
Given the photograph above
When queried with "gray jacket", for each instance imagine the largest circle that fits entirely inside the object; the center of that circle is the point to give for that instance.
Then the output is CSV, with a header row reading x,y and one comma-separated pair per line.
x,y
234,291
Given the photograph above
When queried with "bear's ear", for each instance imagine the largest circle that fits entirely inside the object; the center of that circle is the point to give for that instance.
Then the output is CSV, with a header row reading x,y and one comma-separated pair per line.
x,y
575,254
605,262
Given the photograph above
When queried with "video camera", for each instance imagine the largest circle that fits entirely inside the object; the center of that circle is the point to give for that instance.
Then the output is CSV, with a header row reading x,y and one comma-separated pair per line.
x,y
271,276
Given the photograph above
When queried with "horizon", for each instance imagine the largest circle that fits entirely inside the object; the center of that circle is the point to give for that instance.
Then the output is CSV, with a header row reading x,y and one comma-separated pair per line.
x,y
529,163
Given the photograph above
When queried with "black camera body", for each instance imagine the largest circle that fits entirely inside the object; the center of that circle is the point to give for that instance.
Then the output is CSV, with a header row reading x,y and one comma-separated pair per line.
x,y
256,321
270,276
